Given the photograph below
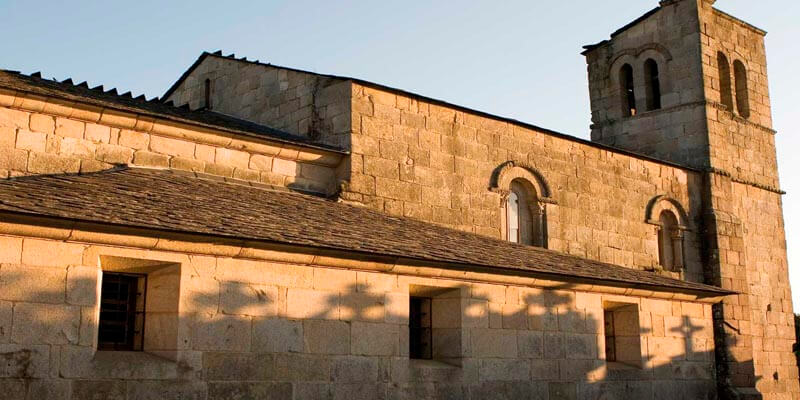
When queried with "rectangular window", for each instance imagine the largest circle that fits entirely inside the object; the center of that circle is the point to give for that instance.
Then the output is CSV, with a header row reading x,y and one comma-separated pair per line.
x,y
622,332
420,328
122,310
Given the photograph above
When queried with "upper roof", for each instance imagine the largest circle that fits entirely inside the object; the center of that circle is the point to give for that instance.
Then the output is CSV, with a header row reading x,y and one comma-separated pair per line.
x,y
97,96
589,47
232,57
188,203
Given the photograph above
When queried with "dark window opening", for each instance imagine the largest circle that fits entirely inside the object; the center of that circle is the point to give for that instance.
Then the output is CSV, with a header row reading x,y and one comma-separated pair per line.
x,y
742,95
420,328
653,85
670,242
628,95
611,342
122,306
208,94
725,81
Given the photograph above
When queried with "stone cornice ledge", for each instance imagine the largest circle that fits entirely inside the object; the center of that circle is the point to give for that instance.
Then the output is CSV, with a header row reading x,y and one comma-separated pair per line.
x,y
727,174
160,126
93,234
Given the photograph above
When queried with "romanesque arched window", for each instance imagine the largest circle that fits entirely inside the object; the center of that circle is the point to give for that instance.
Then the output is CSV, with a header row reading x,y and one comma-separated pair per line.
x,y
726,98
670,242
670,220
524,215
742,96
653,85
627,94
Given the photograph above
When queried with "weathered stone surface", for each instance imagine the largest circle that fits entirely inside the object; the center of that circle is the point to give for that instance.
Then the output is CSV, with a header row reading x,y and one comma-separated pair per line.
x,y
167,390
221,333
82,285
249,390
277,335
239,367
530,344
326,337
301,367
374,339
34,284
45,324
355,369
248,299
99,390
24,361
494,343
51,253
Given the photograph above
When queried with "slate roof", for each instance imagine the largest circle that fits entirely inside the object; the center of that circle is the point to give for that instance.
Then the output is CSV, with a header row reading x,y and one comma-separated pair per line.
x,y
100,97
188,203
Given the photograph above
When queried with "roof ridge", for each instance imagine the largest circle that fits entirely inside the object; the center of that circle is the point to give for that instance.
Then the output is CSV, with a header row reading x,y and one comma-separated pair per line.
x,y
68,83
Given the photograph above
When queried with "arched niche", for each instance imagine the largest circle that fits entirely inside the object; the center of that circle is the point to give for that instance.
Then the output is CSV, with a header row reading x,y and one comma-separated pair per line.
x,y
671,222
511,170
524,197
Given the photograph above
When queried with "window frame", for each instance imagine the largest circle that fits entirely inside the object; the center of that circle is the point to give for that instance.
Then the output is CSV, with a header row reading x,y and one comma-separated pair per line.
x,y
135,313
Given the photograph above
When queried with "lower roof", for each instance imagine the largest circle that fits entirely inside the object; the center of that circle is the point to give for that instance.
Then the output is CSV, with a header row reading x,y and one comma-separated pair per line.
x,y
188,203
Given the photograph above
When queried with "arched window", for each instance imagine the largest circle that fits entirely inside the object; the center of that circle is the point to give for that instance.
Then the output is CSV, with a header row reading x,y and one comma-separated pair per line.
x,y
208,94
627,94
670,242
742,97
525,218
726,98
653,85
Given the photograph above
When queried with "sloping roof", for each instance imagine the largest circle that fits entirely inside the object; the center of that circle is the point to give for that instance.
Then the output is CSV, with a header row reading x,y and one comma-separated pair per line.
x,y
401,92
97,96
186,203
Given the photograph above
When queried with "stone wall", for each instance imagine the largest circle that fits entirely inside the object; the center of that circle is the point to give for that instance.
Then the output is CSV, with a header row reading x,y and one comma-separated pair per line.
x,y
50,136
436,163
297,102
743,147
281,330
675,132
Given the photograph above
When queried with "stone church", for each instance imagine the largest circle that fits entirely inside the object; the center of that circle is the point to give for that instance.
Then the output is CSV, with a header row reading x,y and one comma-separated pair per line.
x,y
263,232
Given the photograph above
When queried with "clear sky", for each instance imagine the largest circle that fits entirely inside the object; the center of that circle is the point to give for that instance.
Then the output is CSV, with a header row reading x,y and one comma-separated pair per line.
x,y
516,58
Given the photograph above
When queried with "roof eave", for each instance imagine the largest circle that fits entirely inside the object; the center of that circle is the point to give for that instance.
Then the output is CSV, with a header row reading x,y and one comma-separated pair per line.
x,y
86,231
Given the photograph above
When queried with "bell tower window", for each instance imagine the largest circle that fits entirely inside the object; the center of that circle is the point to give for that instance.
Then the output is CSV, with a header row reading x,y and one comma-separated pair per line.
x,y
742,96
725,81
653,85
627,92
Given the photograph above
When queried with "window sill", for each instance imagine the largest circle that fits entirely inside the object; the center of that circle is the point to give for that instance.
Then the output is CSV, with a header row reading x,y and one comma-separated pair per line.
x,y
165,357
431,364
616,365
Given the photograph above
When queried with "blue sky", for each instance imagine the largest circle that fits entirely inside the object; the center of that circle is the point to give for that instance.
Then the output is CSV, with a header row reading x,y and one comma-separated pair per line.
x,y
516,58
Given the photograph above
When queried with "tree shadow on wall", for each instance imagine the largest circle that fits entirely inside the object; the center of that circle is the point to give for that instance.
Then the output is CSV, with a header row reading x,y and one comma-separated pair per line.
x,y
244,341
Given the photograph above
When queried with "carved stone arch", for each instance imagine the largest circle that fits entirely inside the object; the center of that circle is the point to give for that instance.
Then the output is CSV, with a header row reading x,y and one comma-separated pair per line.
x,y
523,214
622,59
661,60
511,170
671,222
665,203
633,54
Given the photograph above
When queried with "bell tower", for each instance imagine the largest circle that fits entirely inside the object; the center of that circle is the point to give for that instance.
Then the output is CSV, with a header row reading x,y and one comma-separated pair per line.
x,y
687,83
